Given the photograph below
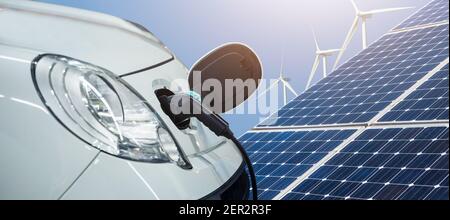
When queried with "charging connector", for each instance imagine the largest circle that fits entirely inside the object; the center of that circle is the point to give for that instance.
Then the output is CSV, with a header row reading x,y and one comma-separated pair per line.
x,y
181,108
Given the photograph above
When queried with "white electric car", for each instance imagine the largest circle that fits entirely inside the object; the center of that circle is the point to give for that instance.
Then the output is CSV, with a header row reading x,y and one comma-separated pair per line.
x,y
80,119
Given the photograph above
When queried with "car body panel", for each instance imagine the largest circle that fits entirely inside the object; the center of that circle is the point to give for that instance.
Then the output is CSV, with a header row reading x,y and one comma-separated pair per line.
x,y
39,159
173,75
84,35
109,177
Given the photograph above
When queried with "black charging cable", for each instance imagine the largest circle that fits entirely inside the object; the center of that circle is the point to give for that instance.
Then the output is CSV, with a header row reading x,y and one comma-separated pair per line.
x,y
188,108
249,167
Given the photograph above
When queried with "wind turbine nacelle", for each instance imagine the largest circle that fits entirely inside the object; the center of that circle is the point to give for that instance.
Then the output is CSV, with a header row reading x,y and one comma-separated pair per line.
x,y
365,15
287,79
232,62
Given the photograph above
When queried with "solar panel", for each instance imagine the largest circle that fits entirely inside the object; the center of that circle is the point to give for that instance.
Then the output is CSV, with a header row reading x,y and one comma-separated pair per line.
x,y
366,84
436,11
389,163
279,158
394,95
428,102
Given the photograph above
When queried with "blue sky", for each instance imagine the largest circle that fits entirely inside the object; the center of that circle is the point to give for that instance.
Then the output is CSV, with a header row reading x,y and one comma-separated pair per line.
x,y
191,28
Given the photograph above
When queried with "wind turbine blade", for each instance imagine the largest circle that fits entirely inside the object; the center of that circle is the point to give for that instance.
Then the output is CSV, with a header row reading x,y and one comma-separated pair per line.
x,y
348,38
290,88
268,89
313,71
282,64
378,11
331,51
315,40
334,50
355,6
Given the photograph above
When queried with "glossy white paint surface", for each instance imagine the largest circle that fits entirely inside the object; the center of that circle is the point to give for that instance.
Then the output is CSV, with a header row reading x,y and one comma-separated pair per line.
x,y
84,35
40,159
112,178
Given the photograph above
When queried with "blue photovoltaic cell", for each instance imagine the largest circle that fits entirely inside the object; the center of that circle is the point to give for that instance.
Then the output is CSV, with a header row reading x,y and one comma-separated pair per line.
x,y
428,102
365,85
391,163
281,157
436,11
384,164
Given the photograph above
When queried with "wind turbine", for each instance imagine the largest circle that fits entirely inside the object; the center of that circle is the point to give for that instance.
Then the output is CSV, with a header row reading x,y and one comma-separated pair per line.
x,y
284,83
362,16
320,55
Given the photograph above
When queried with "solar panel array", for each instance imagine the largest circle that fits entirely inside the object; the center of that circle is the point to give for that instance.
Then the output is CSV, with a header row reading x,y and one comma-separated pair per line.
x,y
376,128
365,85
391,163
436,11
280,157
428,102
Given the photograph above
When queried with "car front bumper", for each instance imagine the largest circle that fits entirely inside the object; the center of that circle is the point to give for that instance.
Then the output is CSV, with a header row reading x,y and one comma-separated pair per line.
x,y
215,175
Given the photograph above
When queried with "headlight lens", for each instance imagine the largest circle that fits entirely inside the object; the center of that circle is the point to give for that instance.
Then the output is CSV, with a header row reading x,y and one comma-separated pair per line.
x,y
103,110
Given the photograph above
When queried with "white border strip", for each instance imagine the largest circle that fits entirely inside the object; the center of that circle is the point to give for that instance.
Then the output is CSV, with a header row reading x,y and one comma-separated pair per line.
x,y
425,124
308,127
418,27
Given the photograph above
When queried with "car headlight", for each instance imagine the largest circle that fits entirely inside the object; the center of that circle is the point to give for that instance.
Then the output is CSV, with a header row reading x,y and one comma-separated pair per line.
x,y
103,110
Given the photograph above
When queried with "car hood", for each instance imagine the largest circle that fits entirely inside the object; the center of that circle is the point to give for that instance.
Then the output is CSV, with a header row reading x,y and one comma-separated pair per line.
x,y
104,40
